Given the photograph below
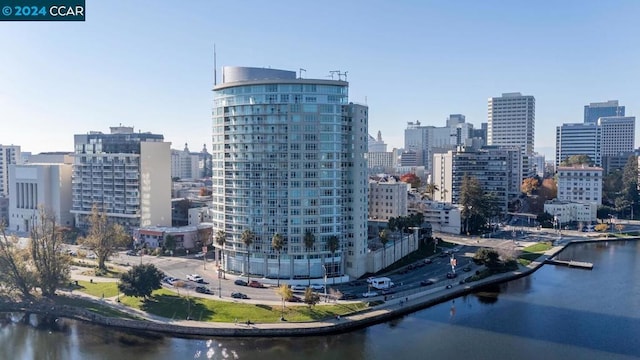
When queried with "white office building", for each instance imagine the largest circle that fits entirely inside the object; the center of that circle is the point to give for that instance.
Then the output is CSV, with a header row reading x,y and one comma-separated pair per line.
x,y
580,184
126,174
289,157
185,165
40,184
511,121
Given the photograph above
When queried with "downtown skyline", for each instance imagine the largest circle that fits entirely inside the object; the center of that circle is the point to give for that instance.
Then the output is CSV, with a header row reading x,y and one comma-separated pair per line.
x,y
407,61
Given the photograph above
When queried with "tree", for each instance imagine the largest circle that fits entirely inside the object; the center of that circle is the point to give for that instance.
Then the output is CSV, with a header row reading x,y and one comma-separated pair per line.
x,y
170,243
545,220
310,297
140,280
384,239
574,160
333,243
15,270
471,201
248,238
221,238
619,227
308,240
285,293
51,264
104,237
277,243
529,185
411,179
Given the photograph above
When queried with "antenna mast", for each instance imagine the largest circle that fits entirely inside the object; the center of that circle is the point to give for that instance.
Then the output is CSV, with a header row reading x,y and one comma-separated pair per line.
x,y
301,70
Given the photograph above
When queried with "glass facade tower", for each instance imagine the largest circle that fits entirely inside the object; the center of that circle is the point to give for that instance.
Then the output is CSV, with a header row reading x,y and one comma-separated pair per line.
x,y
286,159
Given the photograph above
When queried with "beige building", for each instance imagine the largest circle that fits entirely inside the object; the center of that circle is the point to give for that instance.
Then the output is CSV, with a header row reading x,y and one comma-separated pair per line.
x,y
387,198
580,184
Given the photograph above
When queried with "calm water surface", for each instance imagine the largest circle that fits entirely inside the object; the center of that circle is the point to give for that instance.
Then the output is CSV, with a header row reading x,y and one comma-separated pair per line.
x,y
557,313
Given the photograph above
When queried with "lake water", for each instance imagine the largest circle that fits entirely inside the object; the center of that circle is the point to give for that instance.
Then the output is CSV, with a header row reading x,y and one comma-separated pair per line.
x,y
556,313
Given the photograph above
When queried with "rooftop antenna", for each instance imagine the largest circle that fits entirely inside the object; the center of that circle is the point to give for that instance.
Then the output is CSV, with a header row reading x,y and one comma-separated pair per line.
x,y
301,70
334,72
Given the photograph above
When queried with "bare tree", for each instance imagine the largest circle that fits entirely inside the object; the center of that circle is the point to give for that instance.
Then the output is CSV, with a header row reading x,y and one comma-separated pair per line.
x,y
47,253
15,272
104,237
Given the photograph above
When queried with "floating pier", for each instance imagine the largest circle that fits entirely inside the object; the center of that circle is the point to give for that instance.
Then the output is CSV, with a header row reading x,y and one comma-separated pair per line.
x,y
571,263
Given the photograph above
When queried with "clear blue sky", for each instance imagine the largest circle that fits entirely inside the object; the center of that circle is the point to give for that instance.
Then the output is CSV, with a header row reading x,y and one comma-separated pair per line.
x,y
149,64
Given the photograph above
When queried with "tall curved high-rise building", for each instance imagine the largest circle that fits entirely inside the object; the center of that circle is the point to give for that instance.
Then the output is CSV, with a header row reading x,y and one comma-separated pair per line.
x,y
289,158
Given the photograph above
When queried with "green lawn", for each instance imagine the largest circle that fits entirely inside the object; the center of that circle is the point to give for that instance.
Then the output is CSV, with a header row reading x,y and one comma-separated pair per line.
x,y
169,304
108,289
92,306
532,252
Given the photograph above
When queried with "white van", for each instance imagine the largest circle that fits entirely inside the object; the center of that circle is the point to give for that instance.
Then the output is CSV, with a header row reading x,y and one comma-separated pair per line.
x,y
380,283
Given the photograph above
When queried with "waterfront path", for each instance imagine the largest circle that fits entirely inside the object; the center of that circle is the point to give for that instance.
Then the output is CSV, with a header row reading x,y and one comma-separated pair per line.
x,y
402,303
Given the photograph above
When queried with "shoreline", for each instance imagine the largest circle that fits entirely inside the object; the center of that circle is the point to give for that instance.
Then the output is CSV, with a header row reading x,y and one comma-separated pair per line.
x,y
371,316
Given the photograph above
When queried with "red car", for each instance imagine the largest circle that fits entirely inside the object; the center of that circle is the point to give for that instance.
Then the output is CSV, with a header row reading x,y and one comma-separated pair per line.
x,y
256,284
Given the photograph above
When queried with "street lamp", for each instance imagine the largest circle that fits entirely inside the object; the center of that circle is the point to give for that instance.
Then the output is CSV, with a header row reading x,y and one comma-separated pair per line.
x,y
324,269
219,282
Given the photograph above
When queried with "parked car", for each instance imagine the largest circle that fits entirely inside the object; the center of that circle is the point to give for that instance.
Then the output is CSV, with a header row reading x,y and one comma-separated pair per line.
x,y
256,284
466,268
451,275
294,298
132,253
427,261
239,295
298,288
388,291
370,294
92,256
240,282
168,279
317,287
195,277
348,296
203,290
426,282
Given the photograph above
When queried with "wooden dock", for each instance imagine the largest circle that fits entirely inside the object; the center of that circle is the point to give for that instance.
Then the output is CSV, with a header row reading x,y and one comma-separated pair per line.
x,y
571,263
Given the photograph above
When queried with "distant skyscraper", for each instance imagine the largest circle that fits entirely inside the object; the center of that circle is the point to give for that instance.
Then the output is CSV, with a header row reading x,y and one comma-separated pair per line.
x,y
594,111
289,157
9,154
126,174
377,144
185,164
511,121
578,139
607,136
618,134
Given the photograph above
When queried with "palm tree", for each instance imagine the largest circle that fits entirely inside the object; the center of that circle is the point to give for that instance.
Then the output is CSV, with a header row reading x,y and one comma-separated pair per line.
x,y
333,243
391,225
308,240
384,239
431,189
221,238
247,238
277,243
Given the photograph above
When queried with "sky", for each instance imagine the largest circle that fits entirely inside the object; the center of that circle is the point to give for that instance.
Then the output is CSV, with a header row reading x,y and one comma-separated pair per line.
x,y
149,64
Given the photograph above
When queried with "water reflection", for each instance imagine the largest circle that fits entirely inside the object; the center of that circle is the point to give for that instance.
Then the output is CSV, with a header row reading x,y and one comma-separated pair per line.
x,y
558,312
